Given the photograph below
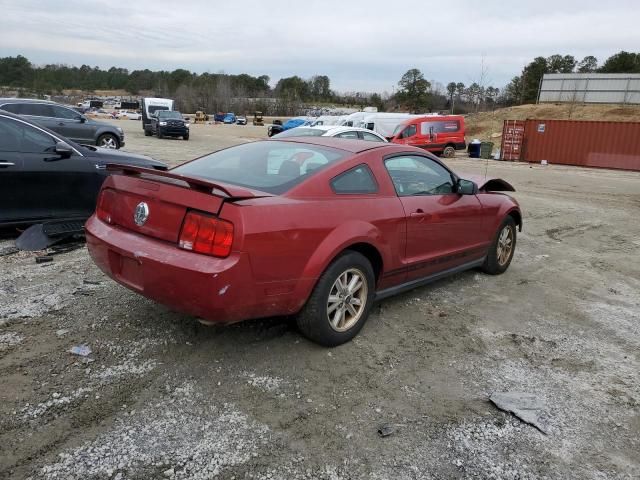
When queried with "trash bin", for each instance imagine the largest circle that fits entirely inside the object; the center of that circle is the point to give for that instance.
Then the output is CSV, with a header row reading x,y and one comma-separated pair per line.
x,y
485,149
474,149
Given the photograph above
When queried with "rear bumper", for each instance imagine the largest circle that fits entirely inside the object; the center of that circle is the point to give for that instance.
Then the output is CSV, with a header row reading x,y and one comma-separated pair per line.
x,y
215,289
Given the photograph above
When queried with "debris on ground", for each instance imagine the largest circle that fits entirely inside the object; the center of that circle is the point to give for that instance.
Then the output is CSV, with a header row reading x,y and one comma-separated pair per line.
x,y
44,259
386,430
82,350
526,406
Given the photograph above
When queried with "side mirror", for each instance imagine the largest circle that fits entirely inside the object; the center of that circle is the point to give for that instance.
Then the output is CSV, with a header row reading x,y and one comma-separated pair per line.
x,y
83,119
64,150
466,187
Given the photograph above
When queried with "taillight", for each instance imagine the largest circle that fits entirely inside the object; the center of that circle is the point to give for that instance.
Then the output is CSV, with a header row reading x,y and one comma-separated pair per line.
x,y
105,201
206,234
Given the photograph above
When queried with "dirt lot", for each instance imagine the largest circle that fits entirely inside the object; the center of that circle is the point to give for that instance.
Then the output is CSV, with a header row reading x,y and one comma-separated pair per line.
x,y
162,397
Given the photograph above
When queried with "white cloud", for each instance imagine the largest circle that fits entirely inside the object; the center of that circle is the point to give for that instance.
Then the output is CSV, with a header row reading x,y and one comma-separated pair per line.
x,y
361,46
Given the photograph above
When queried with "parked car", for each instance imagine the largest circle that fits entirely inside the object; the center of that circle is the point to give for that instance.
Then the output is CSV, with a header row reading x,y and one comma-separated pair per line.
x,y
65,121
441,134
169,123
219,117
45,176
241,120
352,133
149,107
281,127
131,115
229,118
314,227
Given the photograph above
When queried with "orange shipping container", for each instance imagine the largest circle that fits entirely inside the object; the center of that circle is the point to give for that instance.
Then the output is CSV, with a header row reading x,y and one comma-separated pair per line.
x,y
583,143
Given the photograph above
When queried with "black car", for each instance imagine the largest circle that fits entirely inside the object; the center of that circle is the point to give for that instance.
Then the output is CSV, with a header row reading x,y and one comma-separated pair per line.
x,y
169,123
65,121
44,176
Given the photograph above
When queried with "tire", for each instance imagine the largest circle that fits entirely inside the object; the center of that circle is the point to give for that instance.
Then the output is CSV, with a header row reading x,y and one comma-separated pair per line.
x,y
185,137
449,151
498,260
327,304
108,140
159,134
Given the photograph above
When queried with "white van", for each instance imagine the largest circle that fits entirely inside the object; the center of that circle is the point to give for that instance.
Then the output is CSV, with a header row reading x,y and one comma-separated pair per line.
x,y
150,105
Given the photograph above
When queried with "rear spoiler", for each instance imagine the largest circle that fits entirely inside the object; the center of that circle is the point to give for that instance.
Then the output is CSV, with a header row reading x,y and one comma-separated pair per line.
x,y
199,184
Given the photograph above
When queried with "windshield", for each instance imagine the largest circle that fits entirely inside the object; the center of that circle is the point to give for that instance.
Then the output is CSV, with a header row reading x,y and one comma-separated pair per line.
x,y
398,129
155,108
270,166
170,114
300,132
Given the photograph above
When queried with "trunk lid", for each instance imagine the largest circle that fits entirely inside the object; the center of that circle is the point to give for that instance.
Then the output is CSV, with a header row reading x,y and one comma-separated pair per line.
x,y
154,203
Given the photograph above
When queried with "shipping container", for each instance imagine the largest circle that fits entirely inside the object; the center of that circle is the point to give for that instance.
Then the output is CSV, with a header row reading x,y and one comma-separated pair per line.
x,y
512,136
582,143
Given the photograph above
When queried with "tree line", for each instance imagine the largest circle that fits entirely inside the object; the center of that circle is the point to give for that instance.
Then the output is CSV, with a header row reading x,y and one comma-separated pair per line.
x,y
224,92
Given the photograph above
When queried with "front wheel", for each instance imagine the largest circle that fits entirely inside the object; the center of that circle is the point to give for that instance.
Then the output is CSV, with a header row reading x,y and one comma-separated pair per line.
x,y
340,302
185,137
502,249
108,140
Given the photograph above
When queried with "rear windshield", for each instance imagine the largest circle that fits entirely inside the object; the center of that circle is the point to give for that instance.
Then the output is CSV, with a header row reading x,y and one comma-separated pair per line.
x,y
300,132
269,166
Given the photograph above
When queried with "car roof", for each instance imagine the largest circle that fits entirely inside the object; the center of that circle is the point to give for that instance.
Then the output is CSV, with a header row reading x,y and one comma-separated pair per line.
x,y
27,100
348,145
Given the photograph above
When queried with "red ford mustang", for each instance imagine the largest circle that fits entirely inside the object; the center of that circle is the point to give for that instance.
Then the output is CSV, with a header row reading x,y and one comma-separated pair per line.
x,y
317,227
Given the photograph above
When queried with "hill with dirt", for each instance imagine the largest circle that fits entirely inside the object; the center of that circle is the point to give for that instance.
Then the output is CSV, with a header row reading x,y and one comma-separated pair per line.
x,y
488,125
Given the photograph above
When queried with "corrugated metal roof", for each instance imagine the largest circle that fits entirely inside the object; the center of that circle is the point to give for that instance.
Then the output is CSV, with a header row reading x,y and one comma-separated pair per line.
x,y
623,88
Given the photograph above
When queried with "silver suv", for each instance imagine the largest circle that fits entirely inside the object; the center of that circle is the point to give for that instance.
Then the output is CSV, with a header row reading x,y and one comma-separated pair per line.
x,y
65,121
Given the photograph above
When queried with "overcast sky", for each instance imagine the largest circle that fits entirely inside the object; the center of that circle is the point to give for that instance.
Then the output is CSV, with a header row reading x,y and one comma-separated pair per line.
x,y
364,46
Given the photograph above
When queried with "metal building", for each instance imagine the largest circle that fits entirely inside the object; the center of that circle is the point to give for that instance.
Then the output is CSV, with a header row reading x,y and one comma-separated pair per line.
x,y
621,88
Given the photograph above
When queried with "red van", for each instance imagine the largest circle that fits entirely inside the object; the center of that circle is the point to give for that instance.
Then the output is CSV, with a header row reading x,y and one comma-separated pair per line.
x,y
439,134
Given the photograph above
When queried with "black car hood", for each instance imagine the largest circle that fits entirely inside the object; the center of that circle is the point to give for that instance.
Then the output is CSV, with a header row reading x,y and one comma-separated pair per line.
x,y
108,155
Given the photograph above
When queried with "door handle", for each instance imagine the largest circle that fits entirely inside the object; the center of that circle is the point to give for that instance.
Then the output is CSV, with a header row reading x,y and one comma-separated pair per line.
x,y
418,213
7,164
101,166
61,124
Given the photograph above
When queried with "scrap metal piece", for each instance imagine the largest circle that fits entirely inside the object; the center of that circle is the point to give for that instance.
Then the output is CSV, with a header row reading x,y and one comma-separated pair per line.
x,y
526,406
44,235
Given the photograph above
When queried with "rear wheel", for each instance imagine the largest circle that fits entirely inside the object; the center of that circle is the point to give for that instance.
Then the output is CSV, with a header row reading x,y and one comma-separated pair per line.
x,y
108,140
502,249
340,302
449,151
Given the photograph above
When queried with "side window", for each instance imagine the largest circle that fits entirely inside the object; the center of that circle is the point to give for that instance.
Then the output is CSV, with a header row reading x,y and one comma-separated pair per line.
x,y
410,131
416,175
357,180
10,135
37,110
370,137
13,108
67,114
36,141
352,135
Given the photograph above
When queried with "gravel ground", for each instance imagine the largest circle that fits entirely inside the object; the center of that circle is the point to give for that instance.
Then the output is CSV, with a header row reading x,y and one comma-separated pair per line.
x,y
161,396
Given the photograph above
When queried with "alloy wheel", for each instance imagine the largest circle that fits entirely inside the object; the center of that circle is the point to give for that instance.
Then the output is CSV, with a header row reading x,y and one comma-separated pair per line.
x,y
505,245
108,142
347,300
